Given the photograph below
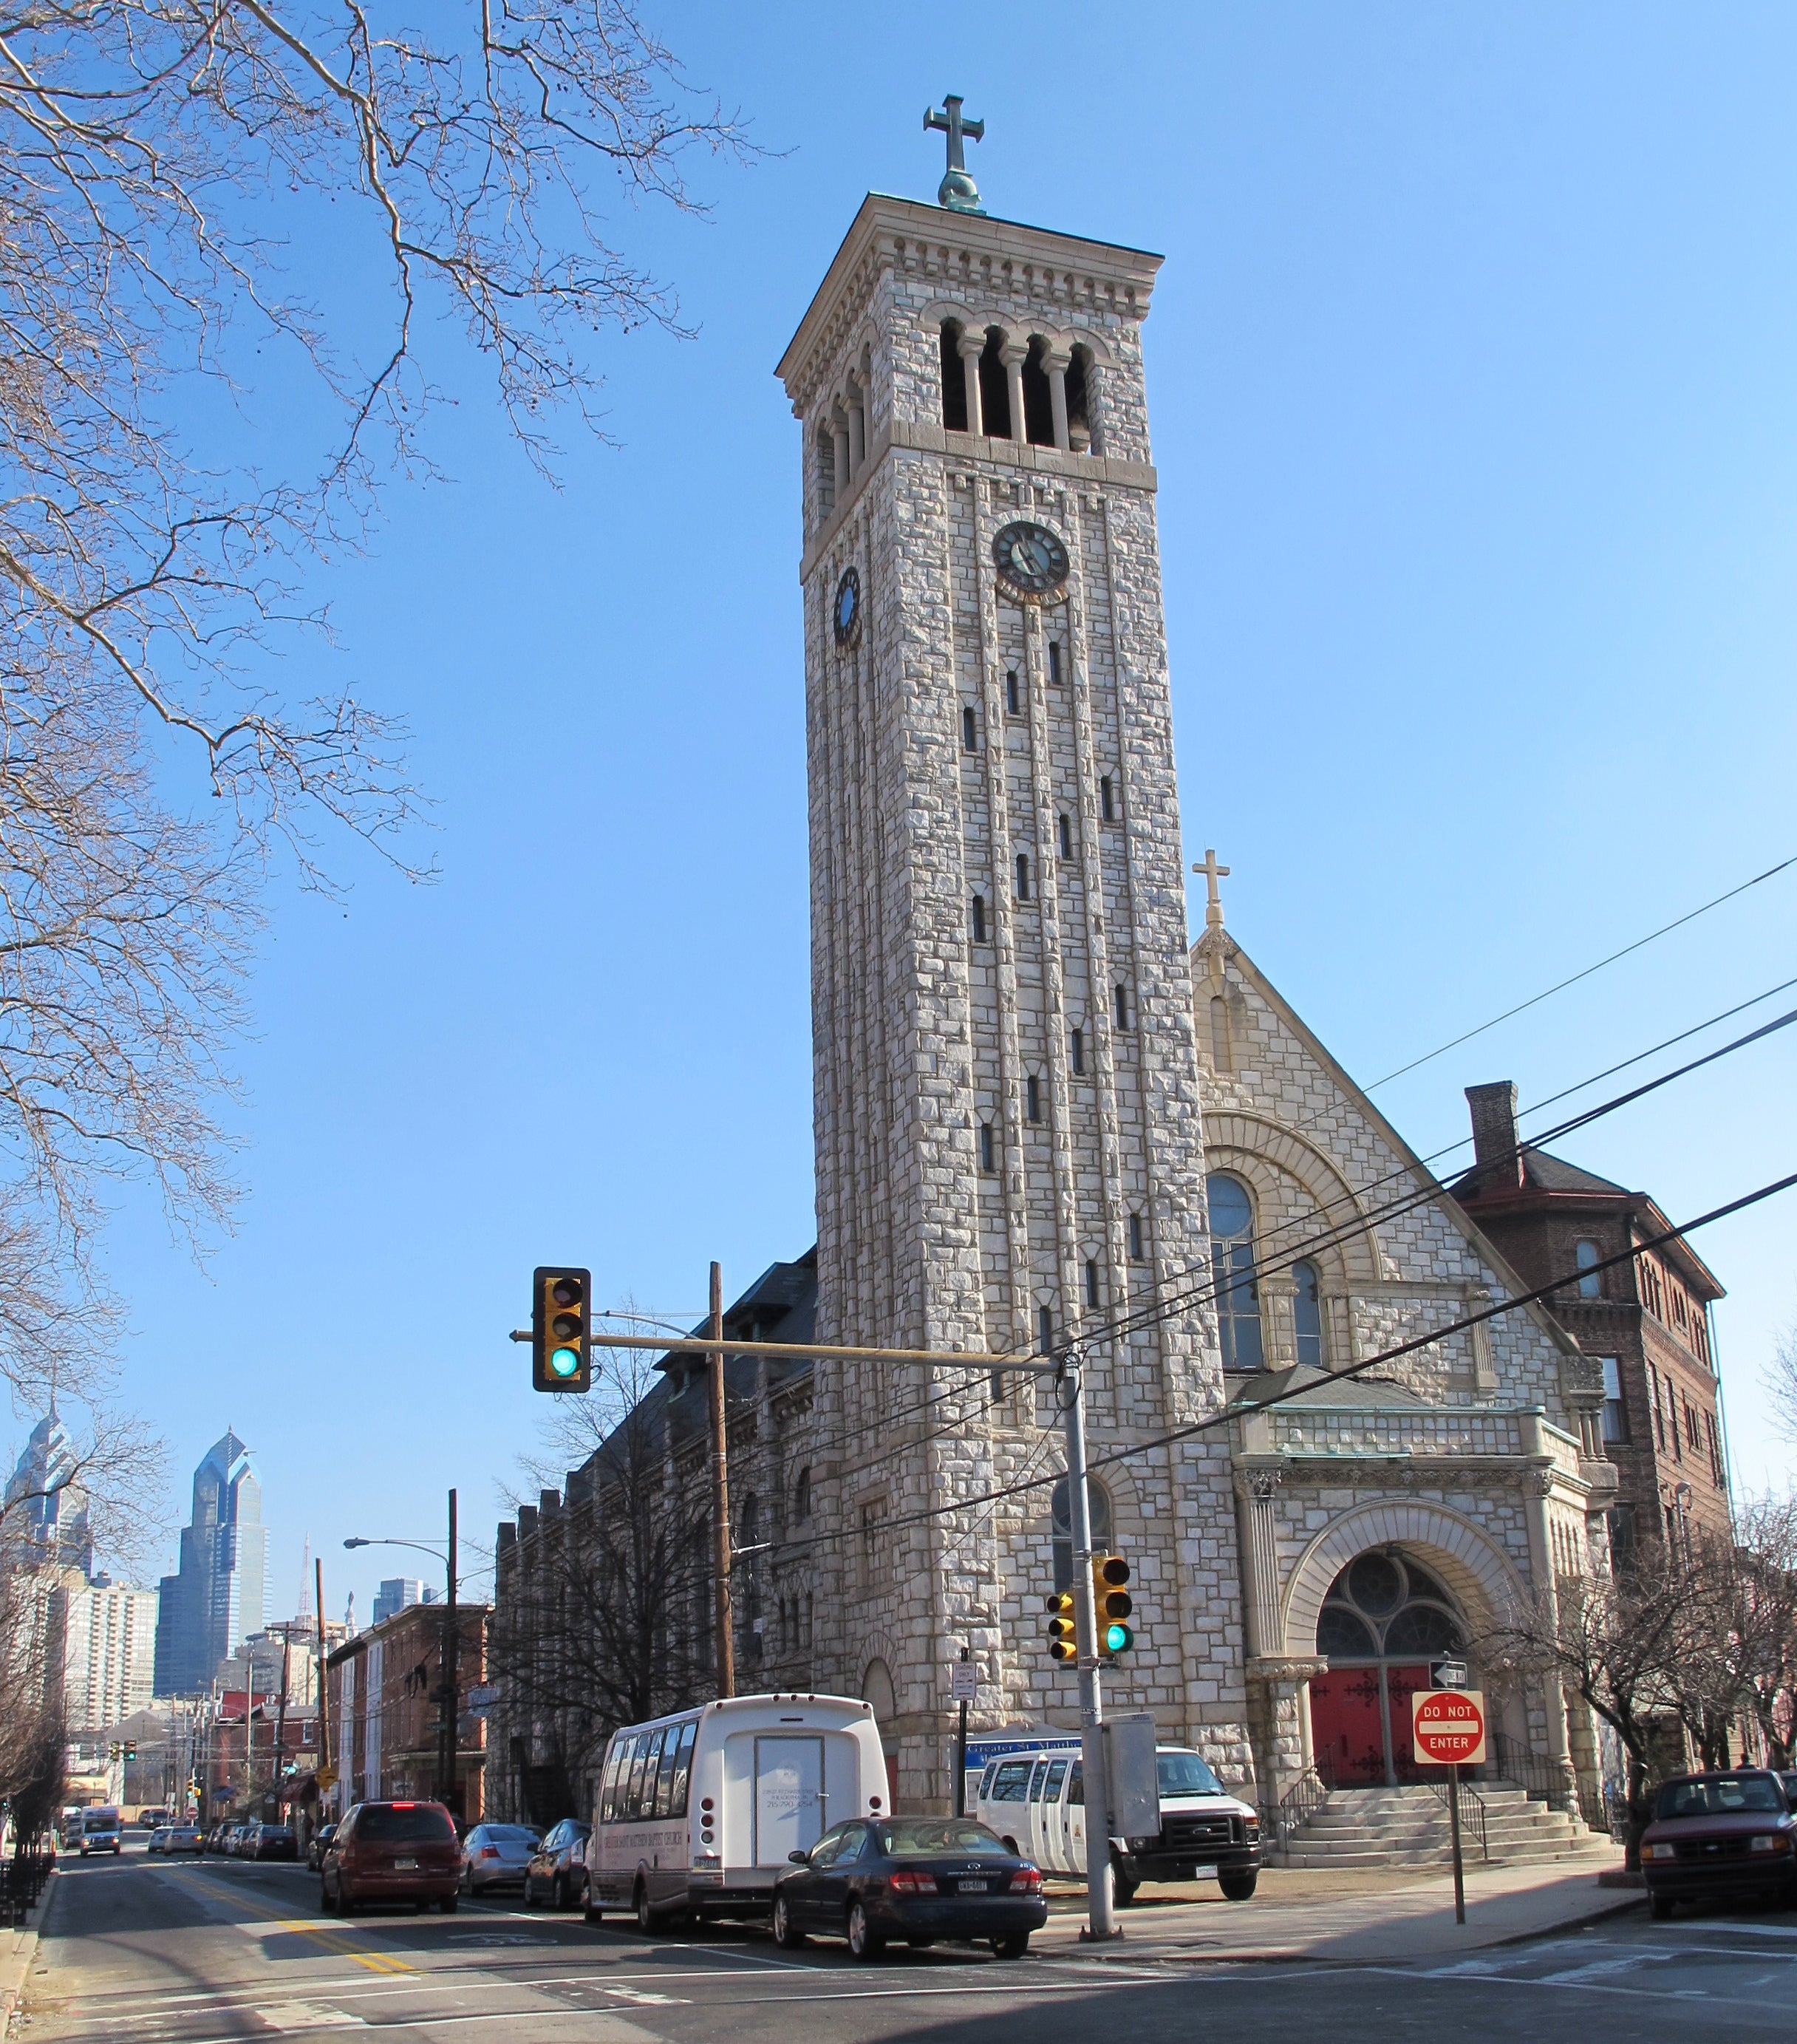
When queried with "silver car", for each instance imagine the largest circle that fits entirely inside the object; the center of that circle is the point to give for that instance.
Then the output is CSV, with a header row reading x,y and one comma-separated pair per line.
x,y
496,1856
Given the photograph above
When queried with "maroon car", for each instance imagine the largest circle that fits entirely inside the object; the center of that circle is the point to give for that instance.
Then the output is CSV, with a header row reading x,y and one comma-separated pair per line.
x,y
1719,1835
392,1852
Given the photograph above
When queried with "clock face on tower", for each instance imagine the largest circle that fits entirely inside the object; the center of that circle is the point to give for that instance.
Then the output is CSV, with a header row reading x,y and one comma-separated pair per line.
x,y
848,607
1031,559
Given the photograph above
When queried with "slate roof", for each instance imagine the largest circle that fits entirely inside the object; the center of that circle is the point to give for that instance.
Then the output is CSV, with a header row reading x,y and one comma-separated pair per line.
x,y
1540,1174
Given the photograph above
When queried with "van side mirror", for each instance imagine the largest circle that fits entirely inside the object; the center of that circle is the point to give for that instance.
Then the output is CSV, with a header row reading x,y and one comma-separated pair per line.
x,y
799,1858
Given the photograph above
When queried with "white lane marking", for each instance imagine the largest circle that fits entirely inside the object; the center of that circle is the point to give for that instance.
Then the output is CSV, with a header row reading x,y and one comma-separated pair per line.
x,y
308,2016
639,1994
1593,1987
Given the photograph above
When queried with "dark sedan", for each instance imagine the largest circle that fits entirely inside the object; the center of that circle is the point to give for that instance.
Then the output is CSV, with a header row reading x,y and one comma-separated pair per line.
x,y
274,1842
319,1845
557,1870
1718,1836
920,1879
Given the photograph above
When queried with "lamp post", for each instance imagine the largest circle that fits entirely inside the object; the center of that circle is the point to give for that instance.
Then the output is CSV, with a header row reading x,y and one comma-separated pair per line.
x,y
448,1688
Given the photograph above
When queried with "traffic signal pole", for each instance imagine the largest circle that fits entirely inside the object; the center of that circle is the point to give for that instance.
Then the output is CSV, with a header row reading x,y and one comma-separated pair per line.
x,y
721,1618
1101,1920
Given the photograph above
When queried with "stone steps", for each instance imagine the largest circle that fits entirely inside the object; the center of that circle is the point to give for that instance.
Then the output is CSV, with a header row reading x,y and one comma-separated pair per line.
x,y
1407,1828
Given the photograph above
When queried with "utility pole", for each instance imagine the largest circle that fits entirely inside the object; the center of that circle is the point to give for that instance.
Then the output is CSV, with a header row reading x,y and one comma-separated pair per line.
x,y
448,1696
324,1693
1101,1920
281,1711
720,1500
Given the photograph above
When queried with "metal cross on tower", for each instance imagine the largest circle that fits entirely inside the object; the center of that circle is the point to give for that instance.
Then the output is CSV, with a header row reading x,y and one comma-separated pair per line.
x,y
958,190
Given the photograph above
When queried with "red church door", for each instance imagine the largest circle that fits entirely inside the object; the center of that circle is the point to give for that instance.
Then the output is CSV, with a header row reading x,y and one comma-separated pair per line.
x,y
1346,1735
1401,1685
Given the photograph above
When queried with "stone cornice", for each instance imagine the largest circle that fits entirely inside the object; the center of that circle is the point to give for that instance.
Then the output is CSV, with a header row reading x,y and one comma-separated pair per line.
x,y
973,450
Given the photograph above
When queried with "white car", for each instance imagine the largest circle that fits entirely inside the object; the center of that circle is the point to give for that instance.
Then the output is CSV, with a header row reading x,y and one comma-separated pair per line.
x,y
160,1837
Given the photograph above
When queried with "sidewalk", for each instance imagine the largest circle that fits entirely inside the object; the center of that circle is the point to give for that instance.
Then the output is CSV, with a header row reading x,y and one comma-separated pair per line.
x,y
17,1949
1343,1918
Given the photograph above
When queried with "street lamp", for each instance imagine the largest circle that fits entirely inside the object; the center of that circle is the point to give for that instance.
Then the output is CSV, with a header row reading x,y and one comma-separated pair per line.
x,y
448,1697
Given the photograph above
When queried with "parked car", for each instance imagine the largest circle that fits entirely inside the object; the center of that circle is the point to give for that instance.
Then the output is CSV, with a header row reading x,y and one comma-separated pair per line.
x,y
922,1879
159,1838
185,1838
392,1852
152,1820
496,1856
556,1871
1720,1834
319,1845
274,1842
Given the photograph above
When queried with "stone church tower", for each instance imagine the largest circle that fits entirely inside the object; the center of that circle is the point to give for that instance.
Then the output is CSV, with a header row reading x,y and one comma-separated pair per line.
x,y
1008,1137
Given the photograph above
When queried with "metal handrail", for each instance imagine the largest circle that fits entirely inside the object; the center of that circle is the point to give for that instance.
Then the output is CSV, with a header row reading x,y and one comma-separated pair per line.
x,y
1294,1808
1442,1791
1542,1780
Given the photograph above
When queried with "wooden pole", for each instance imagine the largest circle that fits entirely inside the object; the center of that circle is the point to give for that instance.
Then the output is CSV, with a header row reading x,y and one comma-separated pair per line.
x,y
720,1499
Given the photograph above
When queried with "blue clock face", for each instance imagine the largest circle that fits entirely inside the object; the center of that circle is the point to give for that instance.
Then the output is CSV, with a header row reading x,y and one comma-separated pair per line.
x,y
1031,559
848,606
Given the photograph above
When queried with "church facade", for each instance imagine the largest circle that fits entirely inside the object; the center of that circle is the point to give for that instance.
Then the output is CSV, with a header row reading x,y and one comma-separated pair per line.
x,y
1042,1116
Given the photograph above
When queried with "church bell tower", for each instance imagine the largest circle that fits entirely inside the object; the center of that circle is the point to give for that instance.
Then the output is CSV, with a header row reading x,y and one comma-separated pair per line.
x,y
1009,1148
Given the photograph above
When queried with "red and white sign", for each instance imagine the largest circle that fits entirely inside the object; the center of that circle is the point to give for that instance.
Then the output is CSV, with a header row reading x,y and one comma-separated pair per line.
x,y
1448,1726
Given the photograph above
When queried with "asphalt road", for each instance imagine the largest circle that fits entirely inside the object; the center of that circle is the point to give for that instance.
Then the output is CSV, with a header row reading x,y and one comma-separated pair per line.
x,y
205,1952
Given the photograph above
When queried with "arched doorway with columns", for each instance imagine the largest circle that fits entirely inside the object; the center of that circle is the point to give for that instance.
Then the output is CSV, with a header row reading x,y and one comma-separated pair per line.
x,y
1385,1618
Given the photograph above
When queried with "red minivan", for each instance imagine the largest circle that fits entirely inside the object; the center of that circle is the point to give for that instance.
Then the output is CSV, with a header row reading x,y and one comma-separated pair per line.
x,y
392,1852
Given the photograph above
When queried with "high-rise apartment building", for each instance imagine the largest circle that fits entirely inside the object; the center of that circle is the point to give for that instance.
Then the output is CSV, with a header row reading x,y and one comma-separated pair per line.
x,y
217,1597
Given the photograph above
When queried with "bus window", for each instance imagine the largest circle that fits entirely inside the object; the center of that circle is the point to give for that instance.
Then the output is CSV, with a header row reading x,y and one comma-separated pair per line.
x,y
633,1794
987,1778
1076,1786
1036,1780
664,1787
683,1768
1013,1782
1051,1788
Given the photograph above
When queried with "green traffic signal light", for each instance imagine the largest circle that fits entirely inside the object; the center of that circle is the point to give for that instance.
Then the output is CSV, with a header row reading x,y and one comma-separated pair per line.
x,y
565,1362
561,1339
1118,1639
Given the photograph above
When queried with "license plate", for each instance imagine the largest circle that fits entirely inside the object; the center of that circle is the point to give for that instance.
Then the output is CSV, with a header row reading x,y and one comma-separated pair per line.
x,y
411,1866
973,1887
1203,1873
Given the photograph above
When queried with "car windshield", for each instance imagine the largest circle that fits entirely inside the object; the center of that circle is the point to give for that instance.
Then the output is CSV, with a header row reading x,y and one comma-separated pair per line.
x,y
422,1820
918,1838
509,1834
1185,1774
1722,1797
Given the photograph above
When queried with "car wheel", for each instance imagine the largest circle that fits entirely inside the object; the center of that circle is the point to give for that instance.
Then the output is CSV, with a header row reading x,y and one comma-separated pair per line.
x,y
592,1915
530,1897
1659,1907
346,1904
327,1902
558,1892
467,1883
450,1903
787,1934
865,1942
1237,1887
645,1915
1012,1945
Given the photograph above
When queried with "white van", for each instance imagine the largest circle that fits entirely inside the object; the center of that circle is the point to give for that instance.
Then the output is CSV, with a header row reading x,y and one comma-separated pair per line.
x,y
699,1812
1036,1803
99,1830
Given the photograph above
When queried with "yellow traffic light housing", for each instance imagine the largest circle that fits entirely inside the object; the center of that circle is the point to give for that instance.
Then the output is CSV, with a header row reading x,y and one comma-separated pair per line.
x,y
1111,1605
1063,1642
560,1329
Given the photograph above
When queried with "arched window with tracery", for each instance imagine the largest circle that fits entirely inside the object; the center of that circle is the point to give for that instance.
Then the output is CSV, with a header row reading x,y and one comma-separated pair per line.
x,y
1061,1525
1307,1313
1232,1271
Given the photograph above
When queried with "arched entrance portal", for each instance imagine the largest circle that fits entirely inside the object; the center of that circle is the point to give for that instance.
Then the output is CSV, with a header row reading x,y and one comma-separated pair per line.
x,y
1384,1618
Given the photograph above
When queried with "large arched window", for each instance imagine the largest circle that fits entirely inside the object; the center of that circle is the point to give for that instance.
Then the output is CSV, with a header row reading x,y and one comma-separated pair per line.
x,y
1384,1606
1307,1314
1232,1271
1060,1523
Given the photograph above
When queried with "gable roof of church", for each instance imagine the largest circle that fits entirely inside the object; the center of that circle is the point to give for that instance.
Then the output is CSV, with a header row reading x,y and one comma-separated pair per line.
x,y
1452,1210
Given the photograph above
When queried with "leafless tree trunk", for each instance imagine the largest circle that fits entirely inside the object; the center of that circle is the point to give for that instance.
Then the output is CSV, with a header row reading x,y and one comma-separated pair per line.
x,y
1780,1378
1740,1652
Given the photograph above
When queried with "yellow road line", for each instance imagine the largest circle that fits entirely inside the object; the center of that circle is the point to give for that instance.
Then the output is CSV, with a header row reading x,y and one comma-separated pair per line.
x,y
332,1941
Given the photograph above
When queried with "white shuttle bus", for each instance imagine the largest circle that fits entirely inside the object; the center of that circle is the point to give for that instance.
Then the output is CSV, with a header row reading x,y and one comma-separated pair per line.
x,y
698,1812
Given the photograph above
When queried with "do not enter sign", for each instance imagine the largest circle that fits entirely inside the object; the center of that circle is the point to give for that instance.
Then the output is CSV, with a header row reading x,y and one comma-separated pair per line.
x,y
1448,1727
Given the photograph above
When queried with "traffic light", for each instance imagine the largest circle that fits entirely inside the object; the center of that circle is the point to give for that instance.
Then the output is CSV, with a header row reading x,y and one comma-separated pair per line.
x,y
1111,1604
131,1752
1062,1643
561,1351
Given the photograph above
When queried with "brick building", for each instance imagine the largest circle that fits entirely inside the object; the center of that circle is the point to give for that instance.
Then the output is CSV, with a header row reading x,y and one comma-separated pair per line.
x,y
1648,1322
383,1709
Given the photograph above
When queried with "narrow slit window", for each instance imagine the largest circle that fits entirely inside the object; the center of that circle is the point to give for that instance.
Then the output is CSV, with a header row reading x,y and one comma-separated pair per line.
x,y
1107,806
1045,1329
1135,1238
970,731
1011,696
1219,1033
1092,1281
1055,662
1022,876
1032,1097
979,919
987,1151
955,380
1120,1002
1076,1051
1066,827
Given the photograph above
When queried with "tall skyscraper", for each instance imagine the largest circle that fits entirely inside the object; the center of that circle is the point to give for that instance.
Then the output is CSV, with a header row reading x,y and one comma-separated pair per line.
x,y
47,1510
396,1592
216,1599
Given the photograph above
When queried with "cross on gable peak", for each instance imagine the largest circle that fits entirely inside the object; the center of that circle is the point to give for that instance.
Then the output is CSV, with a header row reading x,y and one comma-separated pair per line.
x,y
1212,873
958,190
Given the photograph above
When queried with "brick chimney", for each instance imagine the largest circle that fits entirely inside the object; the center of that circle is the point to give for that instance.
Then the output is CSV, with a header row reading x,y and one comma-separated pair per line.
x,y
1494,1135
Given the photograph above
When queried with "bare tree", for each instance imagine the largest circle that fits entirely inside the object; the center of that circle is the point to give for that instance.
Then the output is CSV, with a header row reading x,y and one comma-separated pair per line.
x,y
1779,1379
1739,1655
601,1608
217,216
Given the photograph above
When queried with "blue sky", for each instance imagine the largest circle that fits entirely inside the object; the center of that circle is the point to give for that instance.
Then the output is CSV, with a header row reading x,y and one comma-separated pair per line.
x,y
1472,391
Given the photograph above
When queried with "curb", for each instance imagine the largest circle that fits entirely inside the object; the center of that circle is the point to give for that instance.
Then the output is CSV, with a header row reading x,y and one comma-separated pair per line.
x,y
15,1970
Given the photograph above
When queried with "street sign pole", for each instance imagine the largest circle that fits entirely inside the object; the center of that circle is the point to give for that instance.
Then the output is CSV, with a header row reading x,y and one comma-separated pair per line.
x,y
1453,1822
1101,1922
961,1752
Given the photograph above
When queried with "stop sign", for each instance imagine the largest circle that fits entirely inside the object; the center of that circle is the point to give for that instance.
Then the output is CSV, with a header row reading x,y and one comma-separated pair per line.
x,y
1448,1726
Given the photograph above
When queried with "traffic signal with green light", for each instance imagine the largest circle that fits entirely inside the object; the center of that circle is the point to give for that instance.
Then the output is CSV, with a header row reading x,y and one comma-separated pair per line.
x,y
561,1351
1063,1643
1111,1605
131,1752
